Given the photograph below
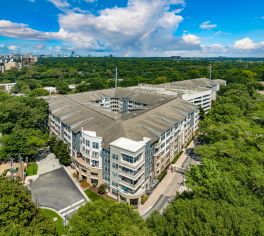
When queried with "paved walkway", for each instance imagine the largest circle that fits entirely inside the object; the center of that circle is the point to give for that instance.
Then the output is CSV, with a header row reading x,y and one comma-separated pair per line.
x,y
47,164
167,188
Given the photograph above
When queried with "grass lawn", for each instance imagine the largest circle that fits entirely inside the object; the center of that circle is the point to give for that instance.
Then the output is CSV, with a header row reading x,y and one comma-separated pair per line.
x,y
95,196
32,168
52,214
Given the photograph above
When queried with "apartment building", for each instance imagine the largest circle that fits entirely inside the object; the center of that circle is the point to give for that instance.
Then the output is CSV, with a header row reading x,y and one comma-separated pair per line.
x,y
200,92
123,137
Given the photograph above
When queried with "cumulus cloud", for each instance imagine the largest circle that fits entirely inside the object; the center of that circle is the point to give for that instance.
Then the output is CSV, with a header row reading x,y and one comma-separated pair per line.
x,y
18,30
191,39
246,44
207,25
143,25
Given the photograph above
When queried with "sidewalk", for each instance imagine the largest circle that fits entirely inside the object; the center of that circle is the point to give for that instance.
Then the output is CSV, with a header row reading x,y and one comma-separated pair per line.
x,y
167,188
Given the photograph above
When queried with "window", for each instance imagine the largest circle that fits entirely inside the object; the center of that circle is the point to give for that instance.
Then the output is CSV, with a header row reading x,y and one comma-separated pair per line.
x,y
95,155
87,143
115,184
115,157
95,163
162,137
114,174
95,145
114,165
131,159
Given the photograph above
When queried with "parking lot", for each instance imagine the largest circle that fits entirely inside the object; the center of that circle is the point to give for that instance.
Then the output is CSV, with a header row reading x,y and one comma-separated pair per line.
x,y
57,190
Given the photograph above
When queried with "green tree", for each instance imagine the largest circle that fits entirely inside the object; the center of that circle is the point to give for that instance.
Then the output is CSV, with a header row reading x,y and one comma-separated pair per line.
x,y
18,214
103,218
24,142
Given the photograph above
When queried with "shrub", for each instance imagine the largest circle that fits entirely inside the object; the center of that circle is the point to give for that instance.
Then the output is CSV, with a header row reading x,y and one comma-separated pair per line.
x,y
84,184
162,175
102,189
144,198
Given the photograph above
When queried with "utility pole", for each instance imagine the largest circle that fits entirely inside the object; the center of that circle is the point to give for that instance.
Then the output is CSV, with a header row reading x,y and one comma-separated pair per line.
x,y
116,77
210,71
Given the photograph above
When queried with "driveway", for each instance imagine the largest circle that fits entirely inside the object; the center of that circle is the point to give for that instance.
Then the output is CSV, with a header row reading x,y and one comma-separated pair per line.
x,y
47,164
167,189
57,190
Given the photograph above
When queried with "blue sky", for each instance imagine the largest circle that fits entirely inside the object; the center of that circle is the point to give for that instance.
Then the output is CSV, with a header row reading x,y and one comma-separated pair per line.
x,y
133,27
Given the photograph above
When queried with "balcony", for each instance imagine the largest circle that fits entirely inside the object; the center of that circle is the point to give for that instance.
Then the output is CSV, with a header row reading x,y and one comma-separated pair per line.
x,y
131,176
137,194
130,185
157,145
133,166
81,162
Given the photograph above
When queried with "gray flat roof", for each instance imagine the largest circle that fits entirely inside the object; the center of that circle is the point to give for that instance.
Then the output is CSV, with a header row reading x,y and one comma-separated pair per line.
x,y
80,111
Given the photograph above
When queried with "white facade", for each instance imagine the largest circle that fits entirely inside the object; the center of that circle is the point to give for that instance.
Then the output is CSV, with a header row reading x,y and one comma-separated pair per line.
x,y
8,86
51,89
127,169
91,148
201,99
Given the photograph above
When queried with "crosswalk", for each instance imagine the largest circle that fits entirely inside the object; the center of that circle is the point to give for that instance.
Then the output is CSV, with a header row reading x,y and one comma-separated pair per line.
x,y
72,208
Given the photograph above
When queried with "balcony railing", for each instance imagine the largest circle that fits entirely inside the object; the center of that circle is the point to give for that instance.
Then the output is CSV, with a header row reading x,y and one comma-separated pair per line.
x,y
131,176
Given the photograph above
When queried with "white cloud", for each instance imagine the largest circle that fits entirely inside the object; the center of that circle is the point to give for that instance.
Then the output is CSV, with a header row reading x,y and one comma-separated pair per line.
x,y
207,25
39,46
215,48
245,44
191,39
60,3
12,48
142,26
18,30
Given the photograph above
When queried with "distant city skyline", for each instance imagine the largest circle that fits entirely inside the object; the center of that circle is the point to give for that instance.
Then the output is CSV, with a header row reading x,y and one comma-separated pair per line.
x,y
133,27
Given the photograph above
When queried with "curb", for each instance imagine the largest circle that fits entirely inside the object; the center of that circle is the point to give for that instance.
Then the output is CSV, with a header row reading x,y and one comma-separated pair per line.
x,y
77,184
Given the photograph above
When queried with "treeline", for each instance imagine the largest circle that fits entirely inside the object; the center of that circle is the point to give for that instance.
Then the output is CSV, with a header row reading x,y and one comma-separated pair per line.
x,y
98,73
23,126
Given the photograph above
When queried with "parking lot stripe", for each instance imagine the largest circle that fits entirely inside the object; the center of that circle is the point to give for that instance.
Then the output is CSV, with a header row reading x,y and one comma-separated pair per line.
x,y
72,205
70,211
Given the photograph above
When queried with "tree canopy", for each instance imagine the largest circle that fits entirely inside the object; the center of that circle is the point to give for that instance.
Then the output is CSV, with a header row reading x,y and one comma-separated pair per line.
x,y
18,214
105,218
23,122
